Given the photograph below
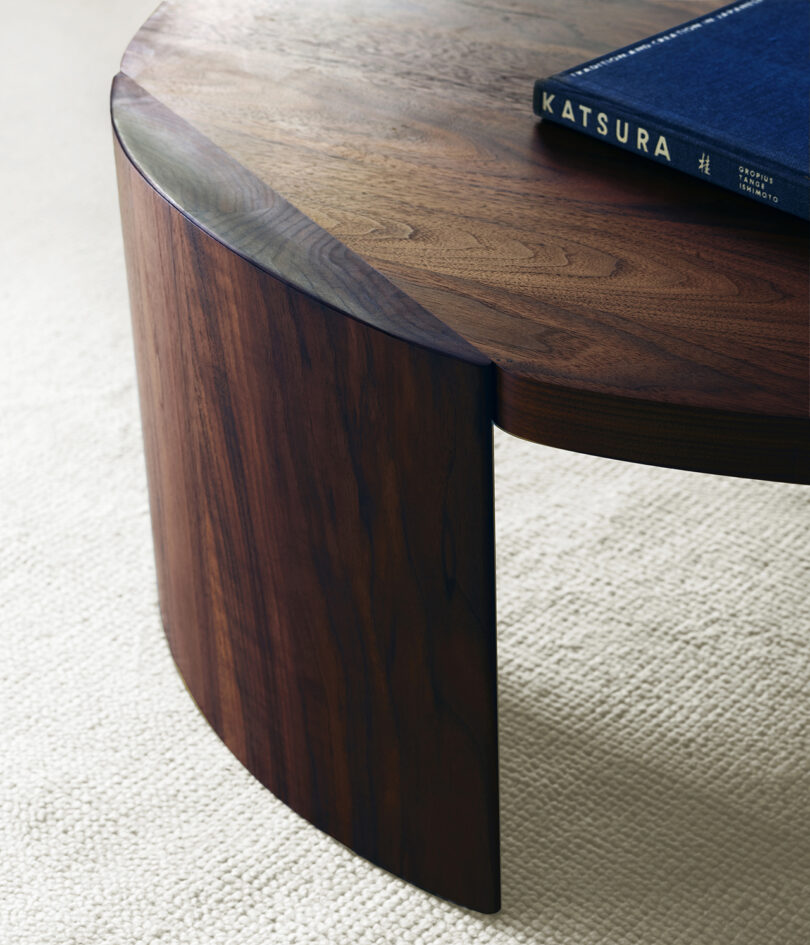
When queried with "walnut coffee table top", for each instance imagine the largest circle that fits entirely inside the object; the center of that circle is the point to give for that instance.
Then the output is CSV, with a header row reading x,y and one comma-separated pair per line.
x,y
628,310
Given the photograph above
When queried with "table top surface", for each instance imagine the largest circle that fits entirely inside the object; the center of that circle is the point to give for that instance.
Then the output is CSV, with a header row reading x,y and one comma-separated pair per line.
x,y
403,129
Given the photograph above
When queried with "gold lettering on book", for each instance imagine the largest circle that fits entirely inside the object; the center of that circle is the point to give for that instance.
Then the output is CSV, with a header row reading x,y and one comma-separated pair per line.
x,y
754,174
754,182
621,127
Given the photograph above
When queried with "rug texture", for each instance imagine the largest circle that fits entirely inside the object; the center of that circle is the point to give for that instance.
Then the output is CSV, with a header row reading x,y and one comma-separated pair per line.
x,y
654,643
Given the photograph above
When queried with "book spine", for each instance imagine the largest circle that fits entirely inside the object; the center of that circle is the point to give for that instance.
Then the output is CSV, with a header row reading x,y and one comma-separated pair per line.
x,y
643,135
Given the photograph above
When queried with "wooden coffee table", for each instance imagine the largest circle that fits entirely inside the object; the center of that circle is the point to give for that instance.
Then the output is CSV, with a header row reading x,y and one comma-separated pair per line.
x,y
350,249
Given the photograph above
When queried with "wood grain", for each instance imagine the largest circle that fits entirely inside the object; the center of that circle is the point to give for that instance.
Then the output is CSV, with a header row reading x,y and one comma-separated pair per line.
x,y
243,213
350,247
321,497
592,280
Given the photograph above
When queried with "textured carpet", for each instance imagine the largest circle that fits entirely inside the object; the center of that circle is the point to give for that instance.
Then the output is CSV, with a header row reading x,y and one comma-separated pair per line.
x,y
654,636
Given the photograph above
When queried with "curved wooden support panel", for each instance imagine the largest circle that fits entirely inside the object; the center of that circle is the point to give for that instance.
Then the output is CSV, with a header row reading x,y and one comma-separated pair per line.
x,y
320,469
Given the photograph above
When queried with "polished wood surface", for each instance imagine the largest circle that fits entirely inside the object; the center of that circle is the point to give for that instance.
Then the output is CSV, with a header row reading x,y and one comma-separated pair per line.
x,y
350,248
321,497
629,311
240,211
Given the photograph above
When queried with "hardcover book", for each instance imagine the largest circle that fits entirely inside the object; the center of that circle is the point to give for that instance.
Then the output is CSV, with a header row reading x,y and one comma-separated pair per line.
x,y
725,97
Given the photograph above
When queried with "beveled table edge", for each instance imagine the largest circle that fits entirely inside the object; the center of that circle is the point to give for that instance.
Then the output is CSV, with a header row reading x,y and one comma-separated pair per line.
x,y
236,208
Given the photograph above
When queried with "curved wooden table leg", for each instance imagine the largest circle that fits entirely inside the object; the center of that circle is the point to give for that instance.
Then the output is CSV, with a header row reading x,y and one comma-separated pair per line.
x,y
321,497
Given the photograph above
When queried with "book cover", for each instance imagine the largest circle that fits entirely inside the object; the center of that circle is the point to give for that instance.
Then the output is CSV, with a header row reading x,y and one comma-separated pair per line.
x,y
724,97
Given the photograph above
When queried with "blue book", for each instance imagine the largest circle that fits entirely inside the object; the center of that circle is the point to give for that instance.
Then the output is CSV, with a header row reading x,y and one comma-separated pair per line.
x,y
725,97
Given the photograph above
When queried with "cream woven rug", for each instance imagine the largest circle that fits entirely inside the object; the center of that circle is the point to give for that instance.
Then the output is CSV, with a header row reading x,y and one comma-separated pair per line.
x,y
654,635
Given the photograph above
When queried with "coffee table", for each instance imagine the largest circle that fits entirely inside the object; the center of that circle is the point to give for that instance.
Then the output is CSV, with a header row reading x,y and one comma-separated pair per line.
x,y
350,249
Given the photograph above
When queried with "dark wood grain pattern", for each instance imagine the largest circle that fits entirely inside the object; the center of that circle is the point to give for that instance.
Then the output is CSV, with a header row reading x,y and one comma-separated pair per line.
x,y
321,497
350,248
629,310
239,210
